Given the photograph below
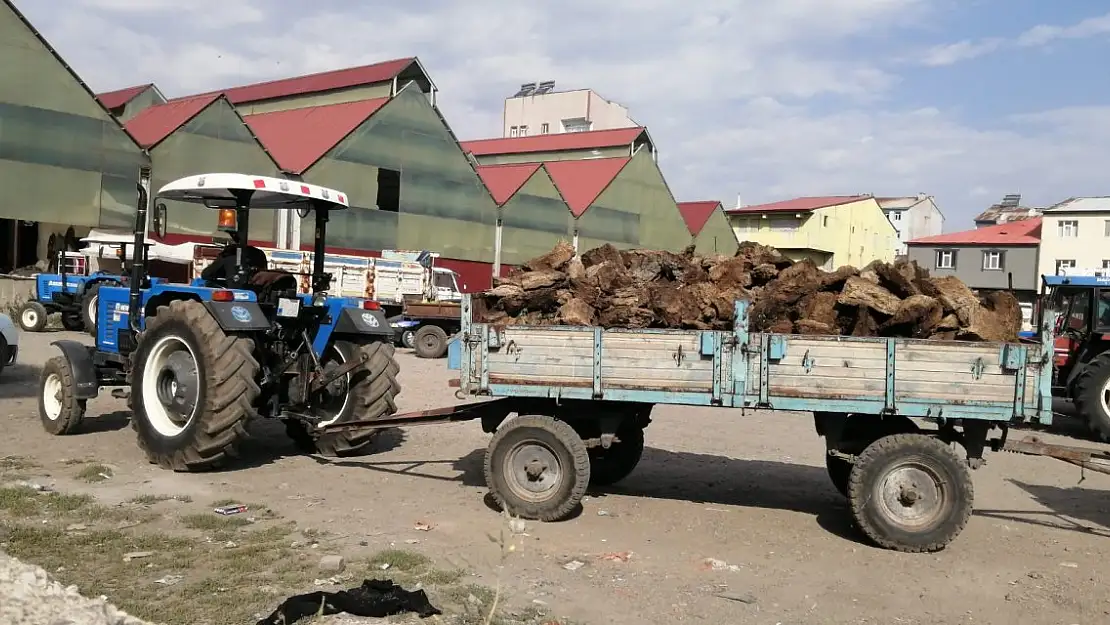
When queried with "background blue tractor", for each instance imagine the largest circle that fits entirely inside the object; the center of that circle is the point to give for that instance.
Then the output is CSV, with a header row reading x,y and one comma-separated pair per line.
x,y
72,292
199,362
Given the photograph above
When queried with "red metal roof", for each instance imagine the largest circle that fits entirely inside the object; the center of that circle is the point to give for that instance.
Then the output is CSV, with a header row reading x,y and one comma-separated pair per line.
x,y
505,180
316,83
592,140
155,123
696,214
799,205
297,138
119,97
581,181
1023,232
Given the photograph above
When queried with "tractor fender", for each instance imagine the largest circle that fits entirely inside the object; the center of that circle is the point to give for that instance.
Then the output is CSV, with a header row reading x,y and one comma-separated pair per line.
x,y
79,356
363,322
238,316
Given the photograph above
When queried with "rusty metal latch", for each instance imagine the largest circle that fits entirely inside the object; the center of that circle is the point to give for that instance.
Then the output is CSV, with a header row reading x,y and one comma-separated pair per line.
x,y
678,356
977,368
807,362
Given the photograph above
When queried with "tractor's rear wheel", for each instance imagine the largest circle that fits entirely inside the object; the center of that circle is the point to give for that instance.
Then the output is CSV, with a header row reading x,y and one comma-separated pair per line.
x,y
364,394
72,321
1092,395
89,303
32,317
193,389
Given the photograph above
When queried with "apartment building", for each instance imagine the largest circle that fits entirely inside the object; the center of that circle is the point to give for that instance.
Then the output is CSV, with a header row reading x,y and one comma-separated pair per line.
x,y
537,109
1075,237
913,216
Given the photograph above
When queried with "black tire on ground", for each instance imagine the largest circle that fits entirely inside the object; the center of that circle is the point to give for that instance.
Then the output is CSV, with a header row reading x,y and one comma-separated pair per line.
x,y
911,493
3,353
32,316
537,467
430,342
89,303
72,321
408,339
373,389
1092,395
184,347
609,466
59,409
859,432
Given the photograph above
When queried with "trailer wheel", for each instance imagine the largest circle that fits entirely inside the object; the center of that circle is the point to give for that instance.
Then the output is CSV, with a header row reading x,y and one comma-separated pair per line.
x,y
430,342
193,388
859,432
32,317
609,466
59,409
1092,395
537,467
364,394
910,493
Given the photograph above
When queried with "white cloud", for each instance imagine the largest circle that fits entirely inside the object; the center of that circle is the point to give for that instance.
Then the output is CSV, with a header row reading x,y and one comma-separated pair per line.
x,y
767,99
1037,36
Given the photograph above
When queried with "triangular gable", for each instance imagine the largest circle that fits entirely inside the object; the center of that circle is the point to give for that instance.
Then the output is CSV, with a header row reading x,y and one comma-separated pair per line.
x,y
58,57
581,181
120,97
696,214
154,124
297,138
503,181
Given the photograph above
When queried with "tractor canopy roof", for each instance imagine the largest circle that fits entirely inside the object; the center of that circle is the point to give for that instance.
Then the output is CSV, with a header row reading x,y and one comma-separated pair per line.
x,y
223,190
1080,281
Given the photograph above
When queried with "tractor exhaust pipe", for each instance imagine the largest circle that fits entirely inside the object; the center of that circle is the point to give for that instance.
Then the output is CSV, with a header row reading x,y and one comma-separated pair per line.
x,y
138,253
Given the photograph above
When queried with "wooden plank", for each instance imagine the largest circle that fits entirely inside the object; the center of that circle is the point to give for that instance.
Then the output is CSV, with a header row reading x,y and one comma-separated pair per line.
x,y
954,391
826,387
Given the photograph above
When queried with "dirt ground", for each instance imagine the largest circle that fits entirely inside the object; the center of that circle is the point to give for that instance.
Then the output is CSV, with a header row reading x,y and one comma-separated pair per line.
x,y
748,491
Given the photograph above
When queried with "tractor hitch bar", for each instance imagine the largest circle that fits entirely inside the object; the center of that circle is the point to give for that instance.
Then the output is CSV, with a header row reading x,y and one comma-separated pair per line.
x,y
320,383
1090,459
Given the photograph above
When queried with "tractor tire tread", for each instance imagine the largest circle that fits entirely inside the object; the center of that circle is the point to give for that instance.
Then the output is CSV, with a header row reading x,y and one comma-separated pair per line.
x,y
1088,387
374,391
73,409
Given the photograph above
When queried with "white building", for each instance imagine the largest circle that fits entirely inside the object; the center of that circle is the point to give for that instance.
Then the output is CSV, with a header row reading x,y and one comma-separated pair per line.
x,y
914,217
537,109
1075,237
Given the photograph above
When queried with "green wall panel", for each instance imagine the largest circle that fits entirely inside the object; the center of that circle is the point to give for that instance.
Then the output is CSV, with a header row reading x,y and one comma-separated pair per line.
x,y
534,220
148,98
211,142
443,205
62,158
717,237
635,210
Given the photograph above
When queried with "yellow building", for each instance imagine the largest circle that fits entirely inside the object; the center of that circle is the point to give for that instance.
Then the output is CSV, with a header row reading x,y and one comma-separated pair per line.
x,y
831,231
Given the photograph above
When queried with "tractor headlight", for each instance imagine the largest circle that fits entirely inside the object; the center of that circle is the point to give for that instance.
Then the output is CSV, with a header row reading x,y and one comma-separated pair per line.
x,y
319,299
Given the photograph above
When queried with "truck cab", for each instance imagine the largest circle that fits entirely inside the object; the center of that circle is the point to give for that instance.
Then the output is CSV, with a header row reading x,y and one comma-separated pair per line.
x,y
445,285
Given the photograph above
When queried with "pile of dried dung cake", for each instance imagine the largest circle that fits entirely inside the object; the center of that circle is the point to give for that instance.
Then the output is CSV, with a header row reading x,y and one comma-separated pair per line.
x,y
656,289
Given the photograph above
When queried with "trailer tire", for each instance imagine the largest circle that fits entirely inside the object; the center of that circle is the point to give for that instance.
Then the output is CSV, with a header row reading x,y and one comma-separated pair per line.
x,y
373,389
224,371
609,466
537,467
32,316
859,432
59,409
910,493
430,342
1092,395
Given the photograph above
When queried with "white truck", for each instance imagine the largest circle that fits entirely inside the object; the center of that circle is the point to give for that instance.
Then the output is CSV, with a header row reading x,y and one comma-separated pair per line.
x,y
388,279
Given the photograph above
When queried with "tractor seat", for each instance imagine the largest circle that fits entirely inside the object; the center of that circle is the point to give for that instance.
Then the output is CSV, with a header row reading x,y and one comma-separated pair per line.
x,y
267,283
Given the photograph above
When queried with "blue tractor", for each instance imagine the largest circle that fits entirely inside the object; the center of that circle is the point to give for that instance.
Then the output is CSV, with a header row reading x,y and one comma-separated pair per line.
x,y
72,292
198,363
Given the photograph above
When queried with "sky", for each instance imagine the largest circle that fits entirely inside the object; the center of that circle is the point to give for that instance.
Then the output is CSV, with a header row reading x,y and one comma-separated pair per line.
x,y
967,100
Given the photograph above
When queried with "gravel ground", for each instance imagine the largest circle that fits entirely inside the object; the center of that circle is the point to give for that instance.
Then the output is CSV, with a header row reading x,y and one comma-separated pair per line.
x,y
31,597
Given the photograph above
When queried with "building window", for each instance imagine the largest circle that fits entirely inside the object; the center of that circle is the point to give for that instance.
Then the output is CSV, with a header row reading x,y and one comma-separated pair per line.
x,y
1068,229
1061,265
389,190
946,259
1106,228
523,131
824,221
544,129
896,215
578,124
513,131
993,261
1106,265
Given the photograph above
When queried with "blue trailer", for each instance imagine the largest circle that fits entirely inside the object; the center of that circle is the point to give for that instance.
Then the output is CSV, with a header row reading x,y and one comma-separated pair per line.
x,y
568,406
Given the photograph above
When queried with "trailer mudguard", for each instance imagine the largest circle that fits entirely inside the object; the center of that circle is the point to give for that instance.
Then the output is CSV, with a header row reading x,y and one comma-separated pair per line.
x,y
363,322
86,385
238,316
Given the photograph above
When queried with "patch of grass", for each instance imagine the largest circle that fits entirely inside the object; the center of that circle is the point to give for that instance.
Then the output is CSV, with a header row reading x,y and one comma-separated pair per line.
x,y
148,500
26,502
441,577
212,522
72,462
16,463
95,473
399,560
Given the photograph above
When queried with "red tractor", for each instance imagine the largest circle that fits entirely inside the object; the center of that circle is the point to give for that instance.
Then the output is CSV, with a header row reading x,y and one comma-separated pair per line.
x,y
1082,345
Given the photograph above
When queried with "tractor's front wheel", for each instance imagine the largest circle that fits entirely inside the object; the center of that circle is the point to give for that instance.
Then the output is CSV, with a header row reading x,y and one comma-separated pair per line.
x,y
364,394
32,317
1092,395
193,388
